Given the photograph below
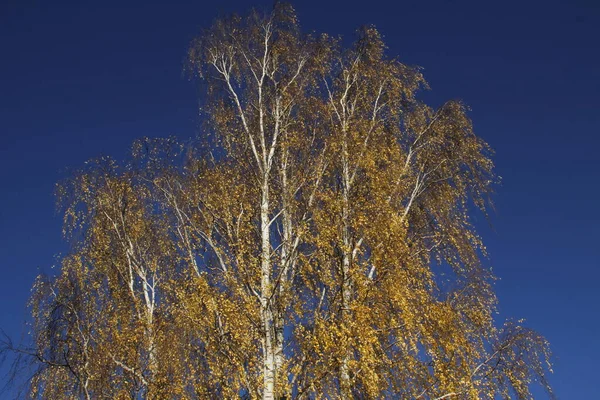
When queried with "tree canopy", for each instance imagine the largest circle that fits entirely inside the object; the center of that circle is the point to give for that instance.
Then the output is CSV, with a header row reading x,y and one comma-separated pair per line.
x,y
318,243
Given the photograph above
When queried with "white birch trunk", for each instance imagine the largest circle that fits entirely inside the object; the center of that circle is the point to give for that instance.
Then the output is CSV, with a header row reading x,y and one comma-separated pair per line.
x,y
287,260
345,384
266,309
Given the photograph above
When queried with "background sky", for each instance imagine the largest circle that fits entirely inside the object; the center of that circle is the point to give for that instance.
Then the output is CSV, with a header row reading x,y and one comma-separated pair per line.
x,y
80,79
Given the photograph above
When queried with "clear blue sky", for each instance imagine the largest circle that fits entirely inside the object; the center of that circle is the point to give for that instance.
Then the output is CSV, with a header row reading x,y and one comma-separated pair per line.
x,y
84,78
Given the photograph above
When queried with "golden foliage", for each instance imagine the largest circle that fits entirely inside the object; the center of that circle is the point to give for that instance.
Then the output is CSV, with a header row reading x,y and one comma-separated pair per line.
x,y
319,245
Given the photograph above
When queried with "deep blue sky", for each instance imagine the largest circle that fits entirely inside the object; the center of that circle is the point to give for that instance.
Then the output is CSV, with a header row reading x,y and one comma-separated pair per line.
x,y
84,78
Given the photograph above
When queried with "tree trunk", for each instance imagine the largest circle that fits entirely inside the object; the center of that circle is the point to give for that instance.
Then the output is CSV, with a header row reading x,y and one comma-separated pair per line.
x,y
266,309
345,383
286,260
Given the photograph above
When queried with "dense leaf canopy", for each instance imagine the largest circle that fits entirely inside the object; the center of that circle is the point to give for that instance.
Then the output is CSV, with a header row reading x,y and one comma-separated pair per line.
x,y
317,244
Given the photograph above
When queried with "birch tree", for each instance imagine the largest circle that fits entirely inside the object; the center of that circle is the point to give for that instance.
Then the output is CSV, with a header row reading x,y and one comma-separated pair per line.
x,y
318,243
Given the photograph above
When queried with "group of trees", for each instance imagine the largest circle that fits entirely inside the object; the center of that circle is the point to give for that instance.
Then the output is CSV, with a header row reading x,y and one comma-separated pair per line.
x,y
317,244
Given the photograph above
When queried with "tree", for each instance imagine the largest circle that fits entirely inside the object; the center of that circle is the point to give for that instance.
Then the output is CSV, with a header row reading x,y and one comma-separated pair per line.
x,y
318,244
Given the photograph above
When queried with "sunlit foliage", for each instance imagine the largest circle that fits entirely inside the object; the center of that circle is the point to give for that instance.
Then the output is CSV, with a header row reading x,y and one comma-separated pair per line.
x,y
318,244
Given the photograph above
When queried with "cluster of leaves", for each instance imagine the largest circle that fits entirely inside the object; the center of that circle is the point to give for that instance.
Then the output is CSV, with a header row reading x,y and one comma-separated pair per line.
x,y
320,245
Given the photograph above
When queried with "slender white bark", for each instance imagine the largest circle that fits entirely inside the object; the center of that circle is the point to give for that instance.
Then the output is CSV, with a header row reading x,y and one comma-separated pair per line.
x,y
265,298
286,259
346,262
